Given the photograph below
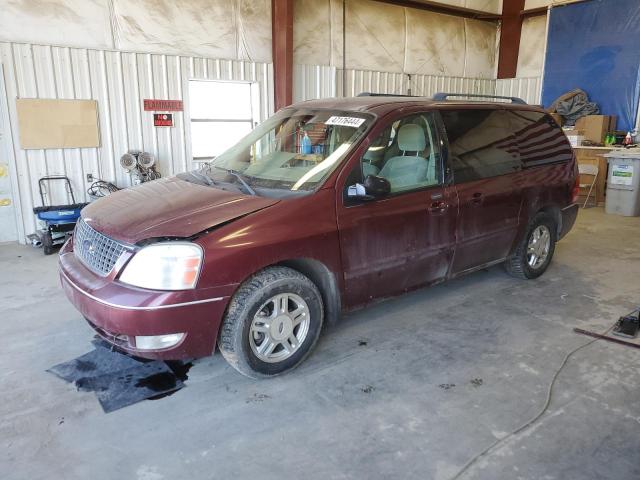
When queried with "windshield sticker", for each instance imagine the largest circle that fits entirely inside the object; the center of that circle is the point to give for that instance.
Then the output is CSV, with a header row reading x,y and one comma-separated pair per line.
x,y
354,122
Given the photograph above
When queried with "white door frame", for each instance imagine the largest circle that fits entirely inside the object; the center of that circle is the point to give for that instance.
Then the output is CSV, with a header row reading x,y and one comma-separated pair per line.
x,y
7,155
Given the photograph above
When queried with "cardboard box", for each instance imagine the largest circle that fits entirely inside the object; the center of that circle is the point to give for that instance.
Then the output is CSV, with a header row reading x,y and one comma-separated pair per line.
x,y
596,127
575,136
558,118
595,156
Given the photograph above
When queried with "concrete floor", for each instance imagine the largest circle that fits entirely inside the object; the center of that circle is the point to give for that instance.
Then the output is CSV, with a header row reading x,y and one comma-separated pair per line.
x,y
444,373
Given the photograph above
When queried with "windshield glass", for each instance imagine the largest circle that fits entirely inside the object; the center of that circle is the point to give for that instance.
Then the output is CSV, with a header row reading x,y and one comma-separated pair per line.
x,y
294,150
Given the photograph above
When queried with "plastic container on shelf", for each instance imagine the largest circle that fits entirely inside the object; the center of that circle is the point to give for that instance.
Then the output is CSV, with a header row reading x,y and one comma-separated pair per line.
x,y
623,183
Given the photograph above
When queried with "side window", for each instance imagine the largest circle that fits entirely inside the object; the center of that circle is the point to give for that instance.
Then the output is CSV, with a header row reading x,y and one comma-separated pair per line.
x,y
540,140
406,153
481,144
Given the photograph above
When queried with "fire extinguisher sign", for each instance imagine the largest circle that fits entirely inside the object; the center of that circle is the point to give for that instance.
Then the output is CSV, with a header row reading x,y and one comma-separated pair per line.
x,y
163,120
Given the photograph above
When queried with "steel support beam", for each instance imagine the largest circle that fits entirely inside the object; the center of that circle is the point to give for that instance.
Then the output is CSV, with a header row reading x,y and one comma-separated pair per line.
x,y
282,51
437,7
510,32
534,12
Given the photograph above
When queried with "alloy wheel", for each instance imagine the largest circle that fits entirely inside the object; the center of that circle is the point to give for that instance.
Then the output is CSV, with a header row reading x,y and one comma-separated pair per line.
x,y
279,327
538,246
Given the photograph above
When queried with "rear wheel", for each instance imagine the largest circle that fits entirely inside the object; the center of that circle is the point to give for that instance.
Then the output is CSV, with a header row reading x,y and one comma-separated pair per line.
x,y
534,253
272,323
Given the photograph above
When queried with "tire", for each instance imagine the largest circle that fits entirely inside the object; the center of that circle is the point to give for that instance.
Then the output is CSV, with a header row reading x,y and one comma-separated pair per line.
x,y
521,264
47,243
269,305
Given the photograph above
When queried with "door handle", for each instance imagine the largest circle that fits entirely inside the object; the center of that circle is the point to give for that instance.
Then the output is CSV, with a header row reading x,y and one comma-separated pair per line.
x,y
476,198
438,207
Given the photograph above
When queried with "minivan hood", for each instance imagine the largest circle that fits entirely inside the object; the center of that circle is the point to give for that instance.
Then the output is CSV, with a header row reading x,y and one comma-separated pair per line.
x,y
169,207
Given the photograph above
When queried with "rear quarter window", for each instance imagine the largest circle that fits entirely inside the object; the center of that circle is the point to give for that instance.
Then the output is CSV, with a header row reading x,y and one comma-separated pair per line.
x,y
481,144
540,140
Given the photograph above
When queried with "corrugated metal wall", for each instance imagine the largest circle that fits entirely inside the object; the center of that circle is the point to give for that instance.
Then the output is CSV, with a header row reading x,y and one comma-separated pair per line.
x,y
529,89
427,85
359,81
321,81
119,81
314,81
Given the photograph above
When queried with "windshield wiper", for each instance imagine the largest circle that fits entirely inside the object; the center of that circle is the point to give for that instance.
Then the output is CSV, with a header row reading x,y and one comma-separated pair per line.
x,y
238,175
203,177
198,174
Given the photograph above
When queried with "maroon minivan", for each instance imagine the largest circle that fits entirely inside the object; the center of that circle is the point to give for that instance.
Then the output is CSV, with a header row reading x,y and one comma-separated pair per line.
x,y
326,207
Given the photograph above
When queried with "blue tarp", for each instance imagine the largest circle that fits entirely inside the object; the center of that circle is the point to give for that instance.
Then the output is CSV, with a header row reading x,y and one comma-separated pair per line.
x,y
595,46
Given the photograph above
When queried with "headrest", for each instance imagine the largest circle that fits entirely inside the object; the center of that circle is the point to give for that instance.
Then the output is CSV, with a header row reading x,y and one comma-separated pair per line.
x,y
411,138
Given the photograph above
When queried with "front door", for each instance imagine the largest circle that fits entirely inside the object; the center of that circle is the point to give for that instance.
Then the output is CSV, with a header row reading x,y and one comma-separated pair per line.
x,y
487,174
403,240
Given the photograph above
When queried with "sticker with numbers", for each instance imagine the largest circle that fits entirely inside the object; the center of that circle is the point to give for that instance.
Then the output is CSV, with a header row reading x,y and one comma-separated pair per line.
x,y
354,122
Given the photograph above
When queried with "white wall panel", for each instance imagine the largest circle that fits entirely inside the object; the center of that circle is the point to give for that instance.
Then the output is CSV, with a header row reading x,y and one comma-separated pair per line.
x,y
119,81
61,22
358,81
234,29
428,85
529,89
313,81
392,38
214,28
532,46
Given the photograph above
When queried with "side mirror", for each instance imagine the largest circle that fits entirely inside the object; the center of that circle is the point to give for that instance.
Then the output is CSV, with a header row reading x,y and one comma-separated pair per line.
x,y
377,186
373,187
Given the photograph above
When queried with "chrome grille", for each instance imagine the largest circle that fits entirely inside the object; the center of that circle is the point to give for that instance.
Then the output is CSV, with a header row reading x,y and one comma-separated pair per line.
x,y
97,251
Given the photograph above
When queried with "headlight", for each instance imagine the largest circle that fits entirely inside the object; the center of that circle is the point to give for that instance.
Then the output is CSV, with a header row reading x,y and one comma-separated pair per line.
x,y
164,266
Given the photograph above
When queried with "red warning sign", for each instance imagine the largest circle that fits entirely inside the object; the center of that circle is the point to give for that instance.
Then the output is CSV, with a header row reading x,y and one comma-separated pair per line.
x,y
163,105
162,120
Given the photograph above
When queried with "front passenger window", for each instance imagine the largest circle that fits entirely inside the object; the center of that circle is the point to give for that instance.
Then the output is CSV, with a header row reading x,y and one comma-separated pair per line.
x,y
406,154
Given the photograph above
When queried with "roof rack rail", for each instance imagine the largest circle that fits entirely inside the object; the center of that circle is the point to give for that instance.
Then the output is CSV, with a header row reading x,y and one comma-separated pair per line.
x,y
369,94
444,96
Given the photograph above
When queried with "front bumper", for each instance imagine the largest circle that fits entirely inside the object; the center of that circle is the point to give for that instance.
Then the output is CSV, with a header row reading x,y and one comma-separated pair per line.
x,y
119,313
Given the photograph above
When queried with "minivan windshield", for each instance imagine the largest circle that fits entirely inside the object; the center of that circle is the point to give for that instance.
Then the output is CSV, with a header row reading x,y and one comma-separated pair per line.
x,y
295,151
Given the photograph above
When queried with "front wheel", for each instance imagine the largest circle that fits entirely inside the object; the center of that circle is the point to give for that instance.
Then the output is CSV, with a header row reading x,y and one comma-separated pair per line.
x,y
534,253
272,323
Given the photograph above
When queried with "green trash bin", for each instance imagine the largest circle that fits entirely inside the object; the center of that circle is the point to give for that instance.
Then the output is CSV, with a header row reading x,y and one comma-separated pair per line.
x,y
623,183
